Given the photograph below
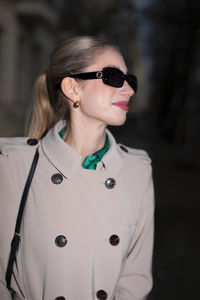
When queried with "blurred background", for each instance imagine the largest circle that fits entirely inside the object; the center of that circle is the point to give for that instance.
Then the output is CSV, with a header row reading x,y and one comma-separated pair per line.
x,y
160,40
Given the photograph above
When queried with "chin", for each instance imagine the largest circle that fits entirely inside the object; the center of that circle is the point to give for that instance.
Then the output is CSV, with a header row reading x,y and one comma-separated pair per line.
x,y
117,121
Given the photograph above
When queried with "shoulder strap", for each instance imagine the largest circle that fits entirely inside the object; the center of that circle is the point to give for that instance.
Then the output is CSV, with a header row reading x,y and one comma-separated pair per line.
x,y
16,237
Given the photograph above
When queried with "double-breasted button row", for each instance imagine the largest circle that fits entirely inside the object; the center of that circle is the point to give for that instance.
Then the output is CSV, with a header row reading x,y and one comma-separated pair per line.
x,y
57,178
101,294
60,241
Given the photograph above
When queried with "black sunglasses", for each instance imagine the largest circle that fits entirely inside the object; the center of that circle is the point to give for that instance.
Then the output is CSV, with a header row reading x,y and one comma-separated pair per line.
x,y
110,76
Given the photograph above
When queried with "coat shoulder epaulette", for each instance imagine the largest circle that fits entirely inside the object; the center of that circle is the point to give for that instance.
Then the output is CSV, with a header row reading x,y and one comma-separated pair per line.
x,y
134,154
8,145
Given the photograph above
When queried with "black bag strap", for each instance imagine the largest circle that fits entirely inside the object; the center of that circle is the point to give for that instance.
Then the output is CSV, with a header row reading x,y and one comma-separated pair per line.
x,y
16,237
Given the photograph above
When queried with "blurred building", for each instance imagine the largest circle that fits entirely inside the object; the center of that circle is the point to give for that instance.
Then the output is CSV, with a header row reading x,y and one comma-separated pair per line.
x,y
27,33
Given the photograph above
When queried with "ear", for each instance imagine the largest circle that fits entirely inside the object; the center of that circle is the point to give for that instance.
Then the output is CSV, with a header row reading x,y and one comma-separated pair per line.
x,y
69,87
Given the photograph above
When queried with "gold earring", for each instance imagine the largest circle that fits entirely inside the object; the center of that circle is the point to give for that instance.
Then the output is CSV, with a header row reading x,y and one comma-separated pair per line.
x,y
76,104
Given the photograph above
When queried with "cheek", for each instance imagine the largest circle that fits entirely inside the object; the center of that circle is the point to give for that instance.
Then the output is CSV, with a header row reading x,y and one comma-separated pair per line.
x,y
96,101
104,96
95,93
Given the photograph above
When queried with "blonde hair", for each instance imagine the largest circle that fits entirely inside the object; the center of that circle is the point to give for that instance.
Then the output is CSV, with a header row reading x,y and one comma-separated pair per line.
x,y
42,115
49,104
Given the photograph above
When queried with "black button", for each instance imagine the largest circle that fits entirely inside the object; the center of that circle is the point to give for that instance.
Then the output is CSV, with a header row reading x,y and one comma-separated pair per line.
x,y
123,148
32,142
61,241
60,298
57,178
114,240
101,294
110,183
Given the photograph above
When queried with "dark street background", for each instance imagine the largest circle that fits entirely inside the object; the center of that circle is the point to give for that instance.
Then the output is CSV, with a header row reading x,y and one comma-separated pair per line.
x,y
160,40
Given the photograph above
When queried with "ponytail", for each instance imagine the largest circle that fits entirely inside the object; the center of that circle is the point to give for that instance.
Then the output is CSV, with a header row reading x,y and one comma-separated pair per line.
x,y
42,116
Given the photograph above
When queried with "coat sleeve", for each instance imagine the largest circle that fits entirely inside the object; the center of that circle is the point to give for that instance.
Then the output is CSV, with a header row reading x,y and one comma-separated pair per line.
x,y
8,211
135,281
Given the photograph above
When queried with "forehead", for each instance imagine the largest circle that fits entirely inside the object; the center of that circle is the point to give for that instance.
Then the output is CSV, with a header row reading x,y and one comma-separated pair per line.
x,y
108,58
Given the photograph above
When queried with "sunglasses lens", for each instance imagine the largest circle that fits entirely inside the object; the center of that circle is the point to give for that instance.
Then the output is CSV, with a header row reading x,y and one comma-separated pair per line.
x,y
132,81
113,77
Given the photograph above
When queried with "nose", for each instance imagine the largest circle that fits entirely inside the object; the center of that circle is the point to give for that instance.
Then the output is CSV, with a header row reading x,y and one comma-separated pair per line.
x,y
127,90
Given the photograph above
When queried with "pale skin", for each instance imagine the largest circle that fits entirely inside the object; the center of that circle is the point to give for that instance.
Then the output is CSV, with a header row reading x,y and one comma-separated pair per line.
x,y
96,105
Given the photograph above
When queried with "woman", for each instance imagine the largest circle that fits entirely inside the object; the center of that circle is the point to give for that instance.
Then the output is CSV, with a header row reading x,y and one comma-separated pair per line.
x,y
87,227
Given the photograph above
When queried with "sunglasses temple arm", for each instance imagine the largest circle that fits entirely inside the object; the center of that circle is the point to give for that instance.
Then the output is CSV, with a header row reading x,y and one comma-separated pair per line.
x,y
88,75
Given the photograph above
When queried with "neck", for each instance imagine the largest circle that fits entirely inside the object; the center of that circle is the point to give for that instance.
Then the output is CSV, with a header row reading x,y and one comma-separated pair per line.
x,y
86,140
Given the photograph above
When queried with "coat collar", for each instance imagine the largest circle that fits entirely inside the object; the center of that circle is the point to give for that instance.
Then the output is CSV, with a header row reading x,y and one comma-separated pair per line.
x,y
67,160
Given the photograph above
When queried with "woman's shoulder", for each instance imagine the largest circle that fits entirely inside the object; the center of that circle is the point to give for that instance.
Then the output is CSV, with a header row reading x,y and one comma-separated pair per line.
x,y
17,145
133,154
16,154
130,156
136,166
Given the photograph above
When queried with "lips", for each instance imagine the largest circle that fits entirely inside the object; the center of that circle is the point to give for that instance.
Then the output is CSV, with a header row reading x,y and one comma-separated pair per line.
x,y
121,104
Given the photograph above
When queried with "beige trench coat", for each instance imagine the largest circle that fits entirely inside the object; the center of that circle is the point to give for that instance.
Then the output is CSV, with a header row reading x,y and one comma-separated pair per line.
x,y
81,238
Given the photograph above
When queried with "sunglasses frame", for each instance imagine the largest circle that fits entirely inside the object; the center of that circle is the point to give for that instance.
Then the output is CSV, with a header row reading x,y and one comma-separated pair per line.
x,y
104,75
